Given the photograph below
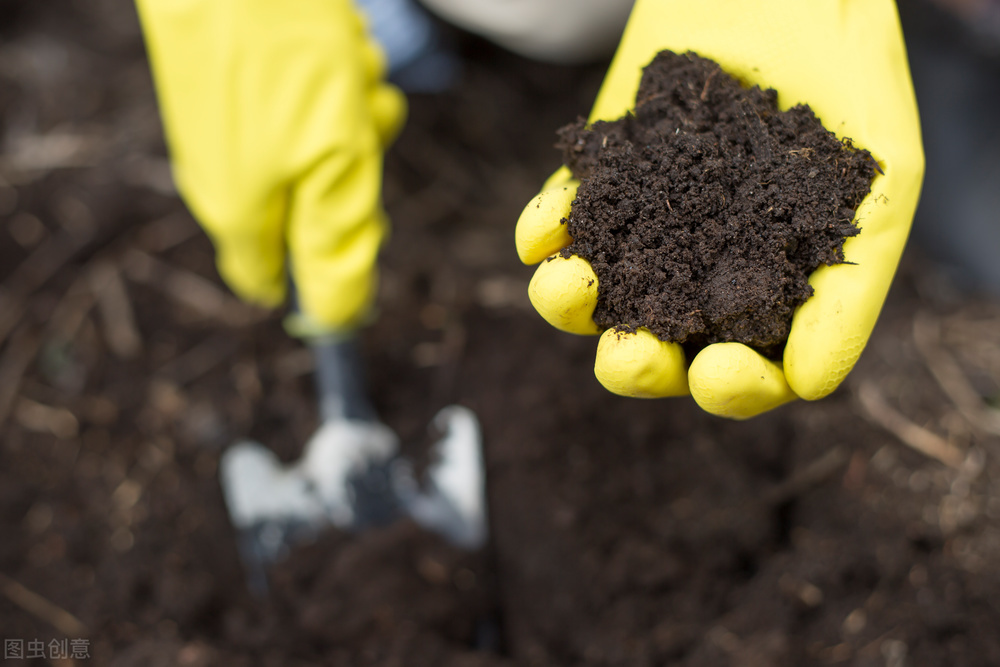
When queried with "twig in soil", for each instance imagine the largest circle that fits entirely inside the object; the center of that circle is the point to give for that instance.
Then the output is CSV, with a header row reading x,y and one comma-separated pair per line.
x,y
704,91
189,289
929,444
168,232
14,364
33,272
120,331
951,379
71,311
760,140
149,172
40,418
32,156
41,608
802,480
798,483
200,359
977,340
63,324
58,250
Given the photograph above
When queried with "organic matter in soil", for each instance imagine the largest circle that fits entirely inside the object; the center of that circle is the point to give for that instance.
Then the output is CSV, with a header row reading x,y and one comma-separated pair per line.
x,y
704,211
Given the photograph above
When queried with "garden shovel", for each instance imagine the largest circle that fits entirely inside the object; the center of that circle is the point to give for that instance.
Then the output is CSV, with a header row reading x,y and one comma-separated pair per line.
x,y
351,475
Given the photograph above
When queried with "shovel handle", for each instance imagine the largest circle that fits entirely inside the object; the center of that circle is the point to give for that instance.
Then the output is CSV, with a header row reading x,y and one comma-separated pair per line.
x,y
340,381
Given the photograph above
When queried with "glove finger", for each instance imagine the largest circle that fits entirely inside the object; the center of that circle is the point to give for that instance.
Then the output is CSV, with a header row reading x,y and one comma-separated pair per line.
x,y
336,226
640,365
830,330
541,230
388,108
564,292
731,380
560,176
386,103
250,255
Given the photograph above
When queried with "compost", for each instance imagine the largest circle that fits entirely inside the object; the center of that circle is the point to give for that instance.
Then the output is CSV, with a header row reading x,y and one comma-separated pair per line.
x,y
704,210
623,532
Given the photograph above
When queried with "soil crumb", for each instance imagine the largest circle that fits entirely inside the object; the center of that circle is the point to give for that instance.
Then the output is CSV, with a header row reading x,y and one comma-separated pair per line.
x,y
704,211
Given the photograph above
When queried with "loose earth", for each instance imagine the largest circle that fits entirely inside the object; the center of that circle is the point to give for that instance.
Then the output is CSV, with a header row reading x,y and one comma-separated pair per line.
x,y
704,211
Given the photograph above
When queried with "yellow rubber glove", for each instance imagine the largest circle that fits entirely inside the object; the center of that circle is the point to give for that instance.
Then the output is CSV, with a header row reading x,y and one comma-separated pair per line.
x,y
277,117
846,59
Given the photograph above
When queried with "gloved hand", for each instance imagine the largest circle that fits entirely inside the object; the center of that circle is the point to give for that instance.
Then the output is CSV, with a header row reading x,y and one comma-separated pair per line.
x,y
277,118
845,58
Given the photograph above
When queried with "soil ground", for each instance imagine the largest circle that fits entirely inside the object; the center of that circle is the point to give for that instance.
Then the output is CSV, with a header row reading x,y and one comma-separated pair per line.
x,y
624,532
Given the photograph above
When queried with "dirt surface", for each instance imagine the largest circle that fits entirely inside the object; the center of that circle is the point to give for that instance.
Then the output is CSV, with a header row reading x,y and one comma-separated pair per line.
x,y
624,532
705,211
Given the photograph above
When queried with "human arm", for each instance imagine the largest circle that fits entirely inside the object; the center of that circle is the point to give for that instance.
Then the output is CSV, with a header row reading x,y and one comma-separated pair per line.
x,y
276,118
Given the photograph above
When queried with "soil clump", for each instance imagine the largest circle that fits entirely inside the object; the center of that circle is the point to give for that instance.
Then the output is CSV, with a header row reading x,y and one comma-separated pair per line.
x,y
704,211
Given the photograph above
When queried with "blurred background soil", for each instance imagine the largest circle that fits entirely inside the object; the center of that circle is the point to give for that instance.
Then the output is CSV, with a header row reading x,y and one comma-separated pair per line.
x,y
860,530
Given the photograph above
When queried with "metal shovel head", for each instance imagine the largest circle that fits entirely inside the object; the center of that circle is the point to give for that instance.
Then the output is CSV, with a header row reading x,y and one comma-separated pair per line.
x,y
351,476
453,502
274,506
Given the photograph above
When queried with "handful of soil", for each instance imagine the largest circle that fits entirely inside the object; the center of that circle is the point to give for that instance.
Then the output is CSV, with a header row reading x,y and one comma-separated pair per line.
x,y
704,211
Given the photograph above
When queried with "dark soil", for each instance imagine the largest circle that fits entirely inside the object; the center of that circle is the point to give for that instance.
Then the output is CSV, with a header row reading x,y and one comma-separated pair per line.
x,y
705,211
623,532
